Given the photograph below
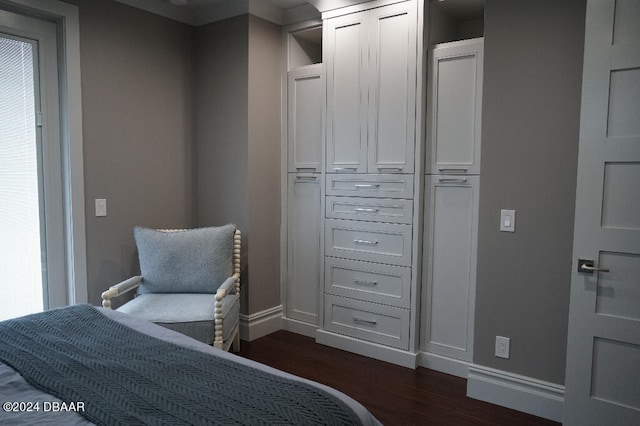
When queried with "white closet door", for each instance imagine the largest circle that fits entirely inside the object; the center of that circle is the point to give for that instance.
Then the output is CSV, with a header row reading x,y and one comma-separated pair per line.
x,y
303,235
451,264
345,53
456,107
305,92
392,88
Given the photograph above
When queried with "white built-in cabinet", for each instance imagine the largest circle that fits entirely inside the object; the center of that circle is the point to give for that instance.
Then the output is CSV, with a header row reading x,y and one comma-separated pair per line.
x,y
305,94
368,242
381,230
303,247
451,199
371,61
455,108
305,128
371,90
451,213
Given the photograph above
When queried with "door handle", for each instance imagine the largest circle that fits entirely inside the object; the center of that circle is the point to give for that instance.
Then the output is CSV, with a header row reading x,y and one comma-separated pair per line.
x,y
453,169
452,180
364,282
586,266
364,321
366,242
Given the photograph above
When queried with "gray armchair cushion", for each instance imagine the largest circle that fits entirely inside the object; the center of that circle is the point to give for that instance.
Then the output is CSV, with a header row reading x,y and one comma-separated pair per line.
x,y
189,261
191,314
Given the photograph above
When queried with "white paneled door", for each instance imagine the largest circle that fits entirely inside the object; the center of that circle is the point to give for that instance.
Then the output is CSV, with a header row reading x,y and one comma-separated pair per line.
x,y
603,353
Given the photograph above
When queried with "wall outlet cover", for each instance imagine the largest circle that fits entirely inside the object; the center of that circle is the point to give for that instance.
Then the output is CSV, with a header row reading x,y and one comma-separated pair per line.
x,y
502,347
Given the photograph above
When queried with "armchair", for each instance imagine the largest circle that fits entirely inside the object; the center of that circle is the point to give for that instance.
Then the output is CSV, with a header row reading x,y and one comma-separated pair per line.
x,y
189,282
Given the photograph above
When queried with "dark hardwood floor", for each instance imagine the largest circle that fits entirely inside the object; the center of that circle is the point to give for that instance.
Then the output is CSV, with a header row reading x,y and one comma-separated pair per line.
x,y
395,395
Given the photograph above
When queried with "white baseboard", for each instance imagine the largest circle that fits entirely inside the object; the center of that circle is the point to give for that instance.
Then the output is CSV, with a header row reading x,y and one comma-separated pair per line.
x,y
299,327
260,324
542,399
444,364
371,350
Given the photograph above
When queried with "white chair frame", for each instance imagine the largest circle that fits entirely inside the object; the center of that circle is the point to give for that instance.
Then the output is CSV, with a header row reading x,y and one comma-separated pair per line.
x,y
231,283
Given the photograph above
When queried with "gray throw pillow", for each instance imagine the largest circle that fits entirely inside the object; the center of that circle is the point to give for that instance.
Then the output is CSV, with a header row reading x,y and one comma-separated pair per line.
x,y
189,261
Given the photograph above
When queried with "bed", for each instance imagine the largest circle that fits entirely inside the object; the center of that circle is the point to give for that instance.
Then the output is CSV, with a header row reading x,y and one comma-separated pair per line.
x,y
81,365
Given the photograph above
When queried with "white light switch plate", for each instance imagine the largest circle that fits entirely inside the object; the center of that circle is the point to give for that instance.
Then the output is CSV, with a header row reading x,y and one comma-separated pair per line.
x,y
101,207
508,220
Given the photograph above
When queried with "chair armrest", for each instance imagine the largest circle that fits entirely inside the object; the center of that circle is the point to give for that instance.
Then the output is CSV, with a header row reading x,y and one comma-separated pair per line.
x,y
227,287
119,289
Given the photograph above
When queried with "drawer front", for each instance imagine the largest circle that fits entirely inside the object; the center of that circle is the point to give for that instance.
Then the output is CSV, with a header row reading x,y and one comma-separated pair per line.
x,y
376,323
370,209
372,282
371,242
384,186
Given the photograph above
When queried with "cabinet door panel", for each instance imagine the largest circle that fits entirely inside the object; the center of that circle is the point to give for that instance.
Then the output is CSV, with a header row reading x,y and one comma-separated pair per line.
x,y
450,269
456,107
305,91
345,54
303,251
392,88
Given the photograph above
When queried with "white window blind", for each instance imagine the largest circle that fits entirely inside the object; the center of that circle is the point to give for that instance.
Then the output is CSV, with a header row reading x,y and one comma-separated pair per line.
x,y
21,286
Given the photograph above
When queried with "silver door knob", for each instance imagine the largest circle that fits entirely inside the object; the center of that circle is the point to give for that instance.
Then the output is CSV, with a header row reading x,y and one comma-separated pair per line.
x,y
586,265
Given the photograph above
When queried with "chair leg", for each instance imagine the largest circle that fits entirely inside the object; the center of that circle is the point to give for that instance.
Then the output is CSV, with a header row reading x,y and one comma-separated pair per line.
x,y
235,346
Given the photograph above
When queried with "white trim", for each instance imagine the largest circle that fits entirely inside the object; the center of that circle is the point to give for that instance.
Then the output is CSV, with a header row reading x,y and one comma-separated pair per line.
x,y
218,11
368,349
444,364
259,324
303,13
299,327
335,8
542,399
68,21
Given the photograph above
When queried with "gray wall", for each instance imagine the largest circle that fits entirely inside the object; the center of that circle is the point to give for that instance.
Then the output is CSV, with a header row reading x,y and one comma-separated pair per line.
x,y
238,145
531,105
265,76
137,108
222,122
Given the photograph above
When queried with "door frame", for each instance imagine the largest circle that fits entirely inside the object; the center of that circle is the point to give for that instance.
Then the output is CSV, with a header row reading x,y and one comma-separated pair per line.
x,y
66,18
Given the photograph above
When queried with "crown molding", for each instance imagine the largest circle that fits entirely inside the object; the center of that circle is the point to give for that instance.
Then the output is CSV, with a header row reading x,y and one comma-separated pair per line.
x,y
218,11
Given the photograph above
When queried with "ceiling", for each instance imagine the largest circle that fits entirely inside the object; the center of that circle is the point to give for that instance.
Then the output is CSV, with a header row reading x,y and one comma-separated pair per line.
x,y
282,12
461,9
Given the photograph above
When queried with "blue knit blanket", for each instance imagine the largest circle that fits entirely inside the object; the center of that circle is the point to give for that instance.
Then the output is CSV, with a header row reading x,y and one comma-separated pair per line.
x,y
127,377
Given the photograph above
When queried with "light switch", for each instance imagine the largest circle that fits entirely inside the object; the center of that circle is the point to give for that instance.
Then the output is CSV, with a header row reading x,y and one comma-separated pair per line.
x,y
508,220
101,207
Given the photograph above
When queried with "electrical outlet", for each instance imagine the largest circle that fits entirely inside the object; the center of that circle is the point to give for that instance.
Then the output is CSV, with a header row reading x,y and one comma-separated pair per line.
x,y
502,347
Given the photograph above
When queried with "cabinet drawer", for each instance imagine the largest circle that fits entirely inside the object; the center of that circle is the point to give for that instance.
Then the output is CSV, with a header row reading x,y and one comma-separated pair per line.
x,y
376,323
383,186
368,281
372,242
370,209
